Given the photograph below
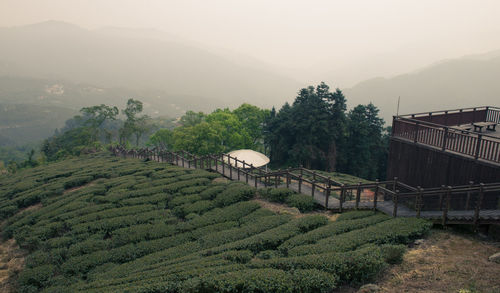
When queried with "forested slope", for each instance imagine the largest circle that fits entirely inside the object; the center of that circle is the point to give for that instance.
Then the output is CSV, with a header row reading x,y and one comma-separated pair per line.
x,y
107,224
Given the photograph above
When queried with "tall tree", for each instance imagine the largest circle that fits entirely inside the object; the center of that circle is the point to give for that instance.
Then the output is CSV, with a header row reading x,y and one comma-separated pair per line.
x,y
134,124
365,146
310,130
95,116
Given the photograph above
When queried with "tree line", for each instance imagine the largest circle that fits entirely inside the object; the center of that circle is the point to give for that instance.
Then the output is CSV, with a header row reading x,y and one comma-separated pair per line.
x,y
316,131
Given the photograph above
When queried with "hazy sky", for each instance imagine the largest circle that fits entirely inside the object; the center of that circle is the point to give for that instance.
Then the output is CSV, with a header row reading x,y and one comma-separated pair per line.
x,y
338,41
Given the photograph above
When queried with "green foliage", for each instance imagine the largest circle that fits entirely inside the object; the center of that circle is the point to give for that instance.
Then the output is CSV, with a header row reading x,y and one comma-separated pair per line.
x,y
277,194
393,254
303,202
394,231
149,227
317,132
352,215
220,131
234,194
72,142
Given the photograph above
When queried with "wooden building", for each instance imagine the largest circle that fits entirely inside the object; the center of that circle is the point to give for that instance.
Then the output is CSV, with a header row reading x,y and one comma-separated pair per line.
x,y
450,147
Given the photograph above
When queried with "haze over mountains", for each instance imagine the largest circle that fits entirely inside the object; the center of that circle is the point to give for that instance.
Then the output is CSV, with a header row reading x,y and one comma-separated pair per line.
x,y
465,82
60,65
137,59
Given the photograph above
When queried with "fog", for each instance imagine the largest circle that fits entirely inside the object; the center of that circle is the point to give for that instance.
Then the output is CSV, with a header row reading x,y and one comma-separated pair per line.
x,y
341,42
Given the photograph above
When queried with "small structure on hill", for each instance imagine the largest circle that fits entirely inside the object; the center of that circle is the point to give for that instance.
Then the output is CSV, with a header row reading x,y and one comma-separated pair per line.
x,y
250,157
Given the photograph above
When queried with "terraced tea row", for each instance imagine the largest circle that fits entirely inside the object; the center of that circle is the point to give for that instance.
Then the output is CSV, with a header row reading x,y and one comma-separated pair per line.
x,y
114,225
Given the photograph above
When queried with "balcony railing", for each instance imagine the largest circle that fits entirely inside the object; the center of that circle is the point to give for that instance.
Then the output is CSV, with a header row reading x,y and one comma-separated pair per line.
x,y
439,130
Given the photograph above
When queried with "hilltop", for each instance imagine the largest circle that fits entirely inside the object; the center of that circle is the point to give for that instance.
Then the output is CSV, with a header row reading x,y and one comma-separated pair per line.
x,y
98,223
449,84
109,58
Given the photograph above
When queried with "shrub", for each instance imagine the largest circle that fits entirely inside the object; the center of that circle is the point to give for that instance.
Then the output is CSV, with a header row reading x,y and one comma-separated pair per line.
x,y
331,229
393,254
394,231
212,191
303,202
352,215
234,194
277,194
313,281
239,256
267,254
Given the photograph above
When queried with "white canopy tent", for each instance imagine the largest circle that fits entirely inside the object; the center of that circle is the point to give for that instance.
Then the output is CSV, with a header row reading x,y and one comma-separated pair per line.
x,y
250,157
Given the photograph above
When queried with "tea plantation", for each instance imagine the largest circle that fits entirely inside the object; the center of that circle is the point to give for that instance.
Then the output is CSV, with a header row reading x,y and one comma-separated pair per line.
x,y
108,224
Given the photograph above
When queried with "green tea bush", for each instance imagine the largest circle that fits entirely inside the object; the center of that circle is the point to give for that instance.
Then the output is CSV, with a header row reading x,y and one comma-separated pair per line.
x,y
212,191
234,194
392,254
394,231
352,215
330,230
277,194
303,202
163,228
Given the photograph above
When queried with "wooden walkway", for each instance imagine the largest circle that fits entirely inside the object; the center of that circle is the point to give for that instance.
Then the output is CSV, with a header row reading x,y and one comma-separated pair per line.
x,y
335,196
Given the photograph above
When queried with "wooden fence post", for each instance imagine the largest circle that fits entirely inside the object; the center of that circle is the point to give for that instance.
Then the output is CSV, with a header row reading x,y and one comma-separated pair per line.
x,y
395,198
313,185
419,201
276,178
467,201
478,146
288,178
447,206
328,191
255,176
415,139
230,167
478,206
395,184
238,170
358,195
222,162
300,183
342,194
375,196
445,138
246,172
441,197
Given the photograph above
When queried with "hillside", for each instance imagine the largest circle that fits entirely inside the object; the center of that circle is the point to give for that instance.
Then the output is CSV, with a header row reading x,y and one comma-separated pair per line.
x,y
136,59
21,124
63,93
104,224
449,84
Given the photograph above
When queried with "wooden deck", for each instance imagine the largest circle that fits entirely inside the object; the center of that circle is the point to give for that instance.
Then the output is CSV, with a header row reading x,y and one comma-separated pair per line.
x,y
317,189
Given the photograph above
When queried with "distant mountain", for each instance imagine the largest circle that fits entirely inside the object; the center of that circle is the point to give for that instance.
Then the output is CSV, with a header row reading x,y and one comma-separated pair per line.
x,y
464,82
61,93
138,59
22,124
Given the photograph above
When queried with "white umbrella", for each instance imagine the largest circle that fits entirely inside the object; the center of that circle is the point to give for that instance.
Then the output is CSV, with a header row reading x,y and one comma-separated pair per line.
x,y
249,156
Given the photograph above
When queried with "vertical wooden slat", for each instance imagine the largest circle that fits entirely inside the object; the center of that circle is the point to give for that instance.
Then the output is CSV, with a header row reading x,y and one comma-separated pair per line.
x,y
478,206
447,206
418,202
358,195
395,199
375,196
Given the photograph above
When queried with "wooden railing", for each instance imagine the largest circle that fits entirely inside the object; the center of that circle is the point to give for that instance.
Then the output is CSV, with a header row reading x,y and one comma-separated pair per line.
x,y
452,139
458,116
393,196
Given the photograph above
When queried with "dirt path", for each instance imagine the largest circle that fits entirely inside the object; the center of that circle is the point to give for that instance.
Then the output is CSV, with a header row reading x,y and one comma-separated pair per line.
x,y
445,262
281,208
11,263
